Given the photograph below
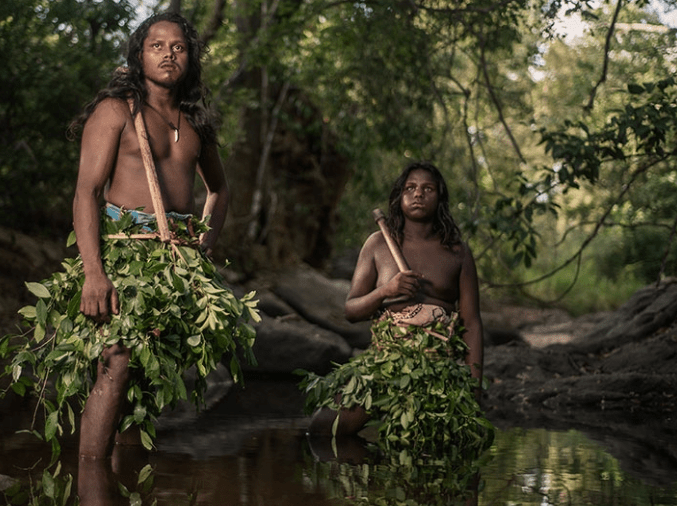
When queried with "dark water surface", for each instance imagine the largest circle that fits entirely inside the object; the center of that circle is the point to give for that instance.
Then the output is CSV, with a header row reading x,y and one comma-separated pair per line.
x,y
252,450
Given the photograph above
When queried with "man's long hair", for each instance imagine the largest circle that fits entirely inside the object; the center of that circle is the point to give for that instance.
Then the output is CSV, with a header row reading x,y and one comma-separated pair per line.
x,y
443,224
128,82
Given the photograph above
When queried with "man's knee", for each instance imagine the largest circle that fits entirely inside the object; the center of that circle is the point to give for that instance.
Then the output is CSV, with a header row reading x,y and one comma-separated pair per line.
x,y
115,360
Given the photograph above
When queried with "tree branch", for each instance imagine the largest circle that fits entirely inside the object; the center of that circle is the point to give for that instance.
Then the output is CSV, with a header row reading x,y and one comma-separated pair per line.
x,y
263,161
215,21
588,240
497,103
605,65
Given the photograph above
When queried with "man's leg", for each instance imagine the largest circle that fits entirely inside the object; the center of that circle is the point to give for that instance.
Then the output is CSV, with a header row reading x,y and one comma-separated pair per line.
x,y
351,421
102,410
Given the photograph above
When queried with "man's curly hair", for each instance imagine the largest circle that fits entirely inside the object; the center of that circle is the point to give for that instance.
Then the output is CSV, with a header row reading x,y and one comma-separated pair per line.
x,y
128,81
443,225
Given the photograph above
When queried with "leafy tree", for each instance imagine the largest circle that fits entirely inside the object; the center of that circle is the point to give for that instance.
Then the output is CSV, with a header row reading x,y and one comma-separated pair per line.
x,y
323,103
58,54
618,154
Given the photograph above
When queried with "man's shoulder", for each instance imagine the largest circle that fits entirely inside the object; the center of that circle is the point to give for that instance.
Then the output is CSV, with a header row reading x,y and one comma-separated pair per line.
x,y
111,109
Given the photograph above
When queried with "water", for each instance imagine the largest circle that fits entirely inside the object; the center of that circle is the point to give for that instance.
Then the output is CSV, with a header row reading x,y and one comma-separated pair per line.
x,y
252,450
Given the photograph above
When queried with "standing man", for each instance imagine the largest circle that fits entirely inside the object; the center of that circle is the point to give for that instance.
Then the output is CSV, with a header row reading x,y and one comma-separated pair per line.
x,y
163,79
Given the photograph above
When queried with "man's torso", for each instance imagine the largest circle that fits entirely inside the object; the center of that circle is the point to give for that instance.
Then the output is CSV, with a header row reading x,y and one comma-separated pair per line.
x,y
175,163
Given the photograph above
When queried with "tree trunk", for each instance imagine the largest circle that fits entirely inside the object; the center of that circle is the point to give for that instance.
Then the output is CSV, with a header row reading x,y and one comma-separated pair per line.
x,y
286,175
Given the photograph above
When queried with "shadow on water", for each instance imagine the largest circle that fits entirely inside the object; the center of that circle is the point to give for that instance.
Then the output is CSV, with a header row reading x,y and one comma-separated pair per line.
x,y
252,450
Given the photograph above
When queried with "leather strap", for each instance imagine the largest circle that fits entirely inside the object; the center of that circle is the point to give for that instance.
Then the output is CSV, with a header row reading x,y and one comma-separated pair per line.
x,y
151,174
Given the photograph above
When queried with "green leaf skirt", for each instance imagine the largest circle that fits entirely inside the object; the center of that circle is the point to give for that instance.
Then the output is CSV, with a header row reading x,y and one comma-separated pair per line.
x,y
414,384
176,312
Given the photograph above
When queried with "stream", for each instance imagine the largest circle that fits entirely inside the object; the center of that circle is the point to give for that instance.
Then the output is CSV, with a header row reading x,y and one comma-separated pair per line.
x,y
251,449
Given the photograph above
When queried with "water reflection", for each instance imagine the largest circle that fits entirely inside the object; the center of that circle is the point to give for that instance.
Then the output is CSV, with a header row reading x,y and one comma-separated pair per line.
x,y
542,467
353,472
273,463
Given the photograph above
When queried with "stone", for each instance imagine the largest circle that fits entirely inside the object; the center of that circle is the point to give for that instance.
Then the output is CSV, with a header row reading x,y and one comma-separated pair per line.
x,y
286,344
320,300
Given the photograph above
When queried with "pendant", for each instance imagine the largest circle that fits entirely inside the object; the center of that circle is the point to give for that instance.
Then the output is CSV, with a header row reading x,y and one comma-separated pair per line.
x,y
176,135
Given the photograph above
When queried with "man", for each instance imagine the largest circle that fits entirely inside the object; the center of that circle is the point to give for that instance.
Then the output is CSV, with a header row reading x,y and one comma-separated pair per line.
x,y
441,277
163,78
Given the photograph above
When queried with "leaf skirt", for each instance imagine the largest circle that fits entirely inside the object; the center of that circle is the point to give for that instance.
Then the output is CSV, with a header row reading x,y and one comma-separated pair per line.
x,y
176,312
414,384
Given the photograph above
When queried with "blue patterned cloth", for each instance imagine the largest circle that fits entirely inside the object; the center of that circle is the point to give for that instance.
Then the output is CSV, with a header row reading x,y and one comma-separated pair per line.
x,y
140,217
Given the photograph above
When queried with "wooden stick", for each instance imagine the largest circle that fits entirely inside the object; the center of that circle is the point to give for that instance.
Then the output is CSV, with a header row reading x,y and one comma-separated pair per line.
x,y
395,251
151,174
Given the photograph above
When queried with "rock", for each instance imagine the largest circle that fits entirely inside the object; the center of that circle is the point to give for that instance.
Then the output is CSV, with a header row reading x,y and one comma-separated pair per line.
x,y
285,344
320,300
272,305
617,365
343,265
23,258
648,310
219,383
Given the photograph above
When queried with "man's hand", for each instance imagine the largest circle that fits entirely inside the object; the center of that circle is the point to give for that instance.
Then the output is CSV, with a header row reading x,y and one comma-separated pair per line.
x,y
99,298
206,249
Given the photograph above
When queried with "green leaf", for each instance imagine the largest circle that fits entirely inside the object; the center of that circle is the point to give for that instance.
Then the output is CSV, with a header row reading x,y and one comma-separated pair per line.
x,y
48,484
38,289
41,311
135,499
139,413
404,420
16,372
146,440
19,388
51,425
39,332
73,307
71,417
28,312
194,340
145,473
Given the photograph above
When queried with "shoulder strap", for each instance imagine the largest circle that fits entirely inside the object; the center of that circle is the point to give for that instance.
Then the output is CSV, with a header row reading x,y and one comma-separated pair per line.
x,y
151,174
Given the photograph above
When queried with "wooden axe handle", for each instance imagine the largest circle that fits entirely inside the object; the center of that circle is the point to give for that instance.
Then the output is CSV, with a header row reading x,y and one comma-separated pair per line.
x,y
380,219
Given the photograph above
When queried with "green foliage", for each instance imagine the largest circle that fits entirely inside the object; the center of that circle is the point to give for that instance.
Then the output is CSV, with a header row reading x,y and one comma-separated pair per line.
x,y
54,488
175,313
435,480
473,86
419,393
415,387
59,53
645,127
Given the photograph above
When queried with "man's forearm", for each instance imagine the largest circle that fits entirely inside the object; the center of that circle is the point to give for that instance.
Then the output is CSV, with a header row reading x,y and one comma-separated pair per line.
x,y
216,207
86,225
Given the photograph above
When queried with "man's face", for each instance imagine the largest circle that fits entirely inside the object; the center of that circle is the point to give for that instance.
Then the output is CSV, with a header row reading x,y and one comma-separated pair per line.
x,y
165,54
420,196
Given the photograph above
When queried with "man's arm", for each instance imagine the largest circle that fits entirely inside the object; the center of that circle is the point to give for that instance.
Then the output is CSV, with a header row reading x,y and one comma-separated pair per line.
x,y
99,149
212,173
469,309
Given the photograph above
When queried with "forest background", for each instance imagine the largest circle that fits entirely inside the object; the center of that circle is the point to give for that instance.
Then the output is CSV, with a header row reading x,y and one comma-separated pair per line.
x,y
558,147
